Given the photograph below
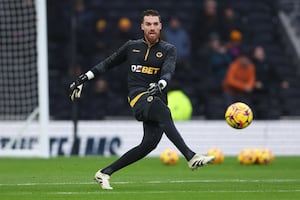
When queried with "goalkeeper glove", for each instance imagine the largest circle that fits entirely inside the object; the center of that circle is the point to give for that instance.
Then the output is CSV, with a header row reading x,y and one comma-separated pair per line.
x,y
76,86
156,88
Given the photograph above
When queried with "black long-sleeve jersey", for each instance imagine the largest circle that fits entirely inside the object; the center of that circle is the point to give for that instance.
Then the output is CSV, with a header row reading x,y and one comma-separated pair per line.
x,y
147,64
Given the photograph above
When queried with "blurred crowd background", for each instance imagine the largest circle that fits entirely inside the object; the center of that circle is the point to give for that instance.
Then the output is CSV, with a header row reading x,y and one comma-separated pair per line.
x,y
228,50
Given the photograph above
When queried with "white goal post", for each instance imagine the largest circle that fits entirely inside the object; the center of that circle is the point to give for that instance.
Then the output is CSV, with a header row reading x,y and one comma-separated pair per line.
x,y
24,78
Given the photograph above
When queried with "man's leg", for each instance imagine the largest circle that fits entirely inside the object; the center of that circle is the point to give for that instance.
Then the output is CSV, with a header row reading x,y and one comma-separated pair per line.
x,y
160,112
152,136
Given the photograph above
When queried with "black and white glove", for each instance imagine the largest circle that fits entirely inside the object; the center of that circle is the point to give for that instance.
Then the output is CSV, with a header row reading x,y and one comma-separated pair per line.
x,y
77,85
156,88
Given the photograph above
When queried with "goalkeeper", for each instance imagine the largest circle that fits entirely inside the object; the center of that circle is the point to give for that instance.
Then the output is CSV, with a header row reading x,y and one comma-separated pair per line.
x,y
151,65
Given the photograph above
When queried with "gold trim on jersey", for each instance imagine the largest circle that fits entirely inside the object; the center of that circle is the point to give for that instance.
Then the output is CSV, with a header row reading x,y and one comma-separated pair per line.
x,y
149,47
147,53
135,99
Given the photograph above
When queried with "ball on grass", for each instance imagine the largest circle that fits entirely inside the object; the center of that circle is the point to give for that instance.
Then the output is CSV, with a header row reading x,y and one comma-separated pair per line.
x,y
219,156
169,157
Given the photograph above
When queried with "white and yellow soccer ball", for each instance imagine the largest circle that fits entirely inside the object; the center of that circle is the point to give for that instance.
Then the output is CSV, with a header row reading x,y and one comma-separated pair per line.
x,y
169,157
247,156
264,156
219,156
239,115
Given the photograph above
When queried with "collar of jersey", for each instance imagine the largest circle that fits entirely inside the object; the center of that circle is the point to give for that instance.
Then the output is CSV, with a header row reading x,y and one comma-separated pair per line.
x,y
145,41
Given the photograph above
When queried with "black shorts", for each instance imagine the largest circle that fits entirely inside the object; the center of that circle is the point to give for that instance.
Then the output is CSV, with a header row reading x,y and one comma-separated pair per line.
x,y
142,107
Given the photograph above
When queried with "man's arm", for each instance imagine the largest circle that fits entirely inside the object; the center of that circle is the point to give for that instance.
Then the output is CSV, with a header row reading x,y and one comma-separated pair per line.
x,y
252,75
234,81
115,59
167,70
169,64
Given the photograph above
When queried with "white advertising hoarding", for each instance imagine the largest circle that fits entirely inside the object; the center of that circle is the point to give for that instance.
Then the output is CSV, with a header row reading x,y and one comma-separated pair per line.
x,y
107,138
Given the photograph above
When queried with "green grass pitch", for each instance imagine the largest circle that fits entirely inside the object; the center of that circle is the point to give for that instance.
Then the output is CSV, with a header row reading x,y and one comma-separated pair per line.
x,y
72,178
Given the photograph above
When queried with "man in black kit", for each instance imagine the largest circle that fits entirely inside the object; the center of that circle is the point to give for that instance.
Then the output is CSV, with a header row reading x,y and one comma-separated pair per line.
x,y
152,63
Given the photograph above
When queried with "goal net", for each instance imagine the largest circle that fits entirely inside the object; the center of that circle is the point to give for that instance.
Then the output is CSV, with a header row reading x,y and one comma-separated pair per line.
x,y
23,78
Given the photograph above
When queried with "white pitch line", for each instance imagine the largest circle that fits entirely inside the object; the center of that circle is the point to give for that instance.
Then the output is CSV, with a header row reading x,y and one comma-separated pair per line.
x,y
114,192
174,191
162,182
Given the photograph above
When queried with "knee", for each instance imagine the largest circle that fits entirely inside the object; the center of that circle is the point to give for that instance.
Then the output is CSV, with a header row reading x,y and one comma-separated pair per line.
x,y
149,146
153,146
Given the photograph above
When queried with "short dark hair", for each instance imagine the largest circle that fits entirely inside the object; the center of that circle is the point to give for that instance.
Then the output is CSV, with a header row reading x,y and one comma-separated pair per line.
x,y
150,12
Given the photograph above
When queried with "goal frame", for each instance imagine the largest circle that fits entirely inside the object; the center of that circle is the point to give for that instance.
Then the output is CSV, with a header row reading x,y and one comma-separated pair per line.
x,y
42,111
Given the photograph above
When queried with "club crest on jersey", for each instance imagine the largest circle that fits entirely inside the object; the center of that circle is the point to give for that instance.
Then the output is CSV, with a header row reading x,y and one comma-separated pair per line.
x,y
159,54
150,99
144,69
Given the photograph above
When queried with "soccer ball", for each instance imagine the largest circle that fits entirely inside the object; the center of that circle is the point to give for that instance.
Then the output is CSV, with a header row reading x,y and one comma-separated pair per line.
x,y
247,156
219,156
238,115
264,156
169,157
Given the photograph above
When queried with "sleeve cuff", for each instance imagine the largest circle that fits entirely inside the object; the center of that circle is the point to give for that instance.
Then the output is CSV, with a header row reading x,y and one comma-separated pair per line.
x,y
162,83
90,75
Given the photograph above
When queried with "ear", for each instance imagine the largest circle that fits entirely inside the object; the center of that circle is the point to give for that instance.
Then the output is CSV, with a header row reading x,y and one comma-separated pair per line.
x,y
142,26
161,26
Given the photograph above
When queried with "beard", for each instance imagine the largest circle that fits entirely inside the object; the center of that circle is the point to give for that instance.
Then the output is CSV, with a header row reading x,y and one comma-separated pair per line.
x,y
152,37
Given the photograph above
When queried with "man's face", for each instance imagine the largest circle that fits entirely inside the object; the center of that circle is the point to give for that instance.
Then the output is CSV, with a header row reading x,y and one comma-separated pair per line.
x,y
245,61
151,27
259,53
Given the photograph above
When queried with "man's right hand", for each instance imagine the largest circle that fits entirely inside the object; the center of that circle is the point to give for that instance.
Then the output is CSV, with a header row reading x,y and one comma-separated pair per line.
x,y
156,88
249,88
76,87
